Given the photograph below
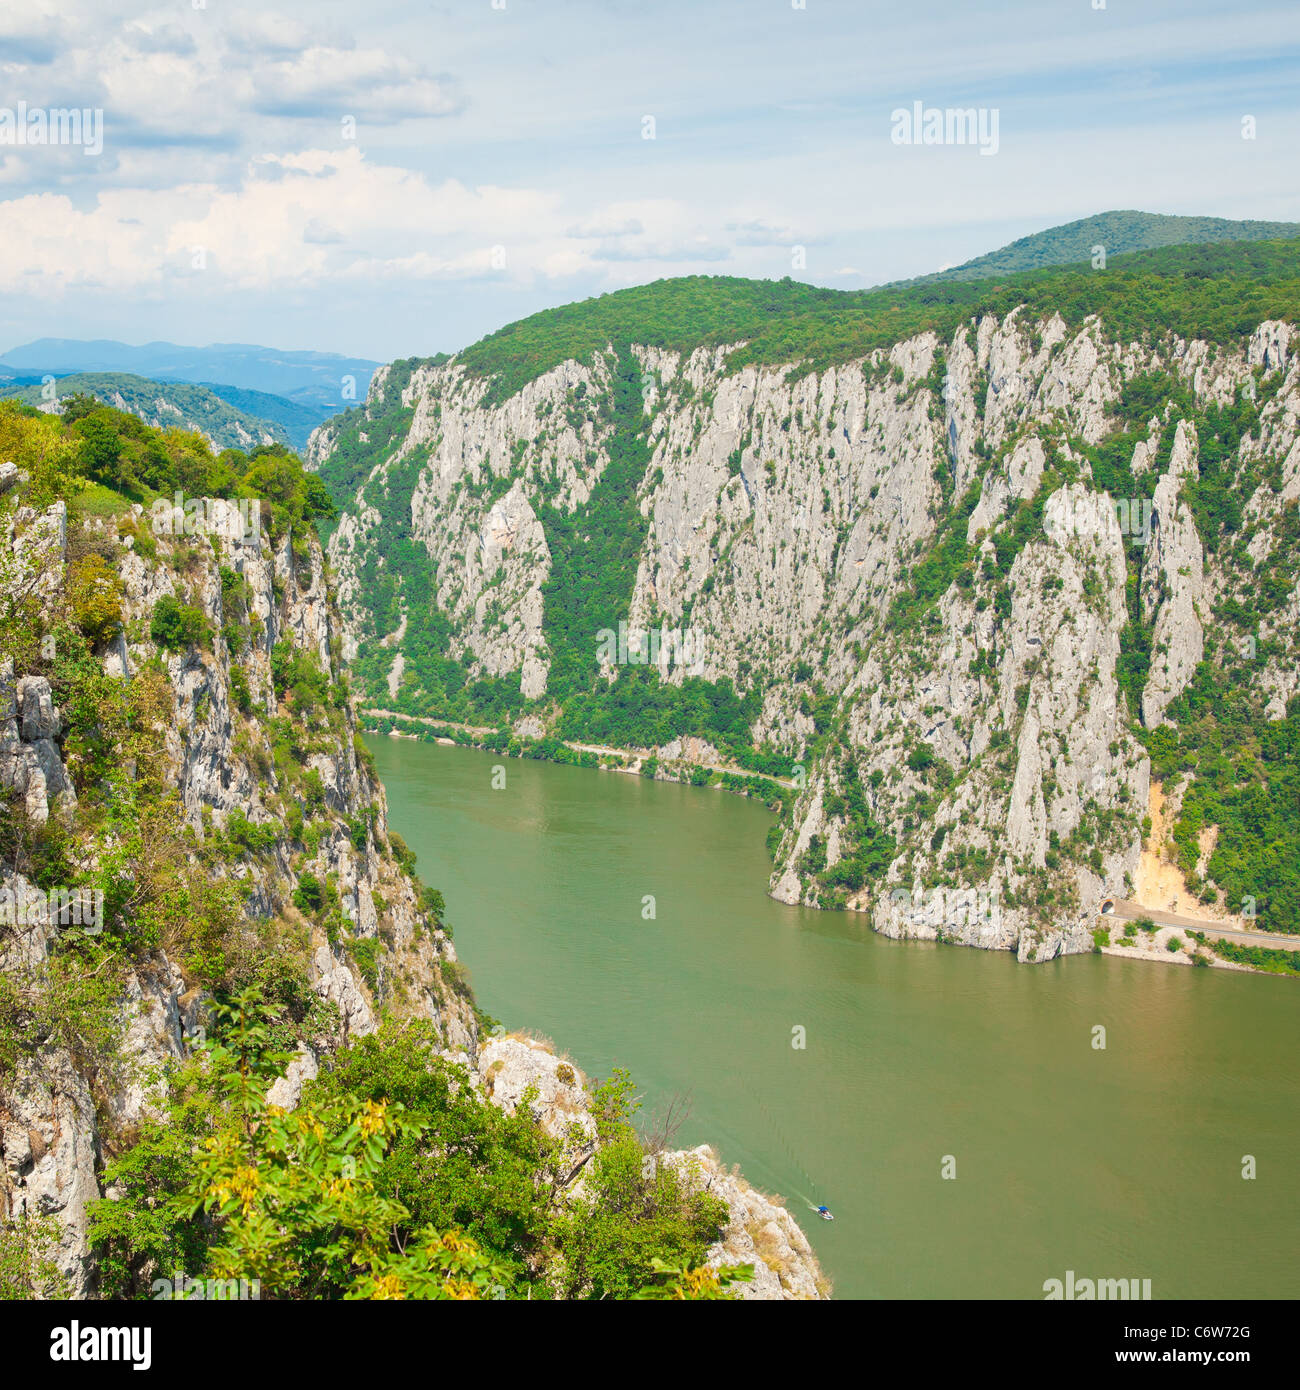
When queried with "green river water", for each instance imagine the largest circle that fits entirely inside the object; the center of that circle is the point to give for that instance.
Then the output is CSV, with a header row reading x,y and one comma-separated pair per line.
x,y
1119,1163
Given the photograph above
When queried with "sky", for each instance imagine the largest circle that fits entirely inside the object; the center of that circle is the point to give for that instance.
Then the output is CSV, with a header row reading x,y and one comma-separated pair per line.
x,y
391,179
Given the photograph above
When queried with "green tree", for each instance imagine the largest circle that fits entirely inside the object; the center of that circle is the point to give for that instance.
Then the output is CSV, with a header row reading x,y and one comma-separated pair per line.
x,y
293,1195
471,1167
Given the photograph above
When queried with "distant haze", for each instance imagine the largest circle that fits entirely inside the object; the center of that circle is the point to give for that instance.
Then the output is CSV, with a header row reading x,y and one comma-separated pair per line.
x,y
317,380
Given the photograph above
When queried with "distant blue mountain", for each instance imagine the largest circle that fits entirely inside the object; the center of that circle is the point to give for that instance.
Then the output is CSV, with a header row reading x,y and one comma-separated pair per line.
x,y
325,382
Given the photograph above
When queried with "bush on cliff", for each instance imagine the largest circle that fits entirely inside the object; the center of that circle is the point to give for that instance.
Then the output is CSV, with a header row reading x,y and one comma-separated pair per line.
x,y
177,626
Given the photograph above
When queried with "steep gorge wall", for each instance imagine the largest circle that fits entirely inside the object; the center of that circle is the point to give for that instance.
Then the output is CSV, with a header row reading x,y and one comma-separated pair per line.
x,y
59,1115
969,719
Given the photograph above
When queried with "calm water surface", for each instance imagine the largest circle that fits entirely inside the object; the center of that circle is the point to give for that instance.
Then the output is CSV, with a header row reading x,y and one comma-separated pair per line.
x,y
1117,1163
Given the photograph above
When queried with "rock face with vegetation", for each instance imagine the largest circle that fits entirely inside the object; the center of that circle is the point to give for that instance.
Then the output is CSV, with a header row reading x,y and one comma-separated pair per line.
x,y
970,566
218,971
756,1230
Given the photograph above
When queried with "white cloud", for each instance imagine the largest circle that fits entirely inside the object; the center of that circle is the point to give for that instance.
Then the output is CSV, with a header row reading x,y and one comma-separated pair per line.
x,y
755,231
265,33
212,82
771,134
295,219
160,38
319,216
369,84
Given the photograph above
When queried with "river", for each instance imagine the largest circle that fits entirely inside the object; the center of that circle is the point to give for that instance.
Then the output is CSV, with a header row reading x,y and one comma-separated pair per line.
x,y
1122,1162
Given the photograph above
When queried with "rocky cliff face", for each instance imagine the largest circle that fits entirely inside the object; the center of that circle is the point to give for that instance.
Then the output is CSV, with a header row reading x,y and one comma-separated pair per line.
x,y
221,763
919,560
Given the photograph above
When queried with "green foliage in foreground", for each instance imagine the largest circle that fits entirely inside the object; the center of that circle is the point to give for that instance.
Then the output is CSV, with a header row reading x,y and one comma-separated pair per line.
x,y
99,459
28,1268
393,1178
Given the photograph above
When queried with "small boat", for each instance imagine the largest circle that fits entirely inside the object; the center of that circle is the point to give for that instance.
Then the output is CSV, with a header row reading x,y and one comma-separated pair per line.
x,y
825,1213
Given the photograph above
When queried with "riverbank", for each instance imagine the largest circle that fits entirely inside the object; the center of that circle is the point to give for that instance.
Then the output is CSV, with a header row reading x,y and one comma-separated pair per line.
x,y
675,762
1165,946
1155,924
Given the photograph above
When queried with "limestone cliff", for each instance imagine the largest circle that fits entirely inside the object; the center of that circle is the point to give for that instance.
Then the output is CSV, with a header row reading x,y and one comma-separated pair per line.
x,y
956,576
234,789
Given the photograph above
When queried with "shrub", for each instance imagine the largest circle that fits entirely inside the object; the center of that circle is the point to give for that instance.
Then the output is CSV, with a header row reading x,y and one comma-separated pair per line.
x,y
298,675
295,1200
256,839
402,852
313,791
177,626
95,593
239,689
453,974
29,1247
309,896
365,952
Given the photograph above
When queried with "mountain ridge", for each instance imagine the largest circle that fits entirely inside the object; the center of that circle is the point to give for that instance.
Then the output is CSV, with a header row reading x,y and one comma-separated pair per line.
x,y
162,405
1113,233
809,326
306,377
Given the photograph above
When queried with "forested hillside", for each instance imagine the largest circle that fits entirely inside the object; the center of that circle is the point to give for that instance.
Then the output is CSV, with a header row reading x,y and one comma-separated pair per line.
x,y
297,419
1113,234
1196,291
